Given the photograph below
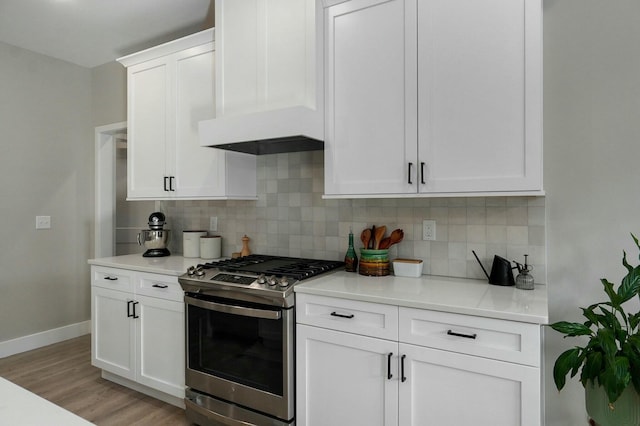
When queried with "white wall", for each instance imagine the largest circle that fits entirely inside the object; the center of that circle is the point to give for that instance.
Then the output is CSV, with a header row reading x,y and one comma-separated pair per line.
x,y
592,149
46,168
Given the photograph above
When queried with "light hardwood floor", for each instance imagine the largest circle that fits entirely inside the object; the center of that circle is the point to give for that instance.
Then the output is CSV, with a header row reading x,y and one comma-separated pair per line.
x,y
62,373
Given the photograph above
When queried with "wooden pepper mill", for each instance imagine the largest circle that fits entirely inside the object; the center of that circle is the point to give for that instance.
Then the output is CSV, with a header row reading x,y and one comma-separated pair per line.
x,y
245,246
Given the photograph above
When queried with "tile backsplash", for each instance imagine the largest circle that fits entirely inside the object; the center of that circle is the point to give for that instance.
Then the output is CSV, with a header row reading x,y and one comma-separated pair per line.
x,y
290,218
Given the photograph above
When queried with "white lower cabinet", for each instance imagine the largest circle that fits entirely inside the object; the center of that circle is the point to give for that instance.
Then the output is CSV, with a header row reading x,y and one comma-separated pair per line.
x,y
341,379
447,379
138,328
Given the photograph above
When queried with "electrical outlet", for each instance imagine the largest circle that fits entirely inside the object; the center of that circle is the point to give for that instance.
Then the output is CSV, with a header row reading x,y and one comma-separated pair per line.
x,y
43,222
213,223
428,230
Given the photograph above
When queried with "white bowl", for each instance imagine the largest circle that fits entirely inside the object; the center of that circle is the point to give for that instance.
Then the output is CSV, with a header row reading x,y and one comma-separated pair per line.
x,y
407,268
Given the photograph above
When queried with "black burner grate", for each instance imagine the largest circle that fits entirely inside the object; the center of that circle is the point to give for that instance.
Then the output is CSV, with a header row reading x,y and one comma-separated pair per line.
x,y
296,268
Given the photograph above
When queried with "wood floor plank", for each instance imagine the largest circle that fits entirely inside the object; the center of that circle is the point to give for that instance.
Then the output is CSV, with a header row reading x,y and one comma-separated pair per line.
x,y
62,373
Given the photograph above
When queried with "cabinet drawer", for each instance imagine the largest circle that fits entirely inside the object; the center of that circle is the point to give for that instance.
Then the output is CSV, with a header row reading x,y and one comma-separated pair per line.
x,y
158,285
368,319
486,337
113,278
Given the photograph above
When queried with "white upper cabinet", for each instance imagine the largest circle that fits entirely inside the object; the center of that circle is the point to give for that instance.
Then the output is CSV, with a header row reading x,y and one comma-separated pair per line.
x,y
433,97
266,55
170,89
370,128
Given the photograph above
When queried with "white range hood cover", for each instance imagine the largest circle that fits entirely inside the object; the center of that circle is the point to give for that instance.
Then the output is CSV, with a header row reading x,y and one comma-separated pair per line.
x,y
266,132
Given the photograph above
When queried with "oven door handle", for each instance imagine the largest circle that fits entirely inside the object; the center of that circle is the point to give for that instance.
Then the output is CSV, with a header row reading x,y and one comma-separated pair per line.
x,y
233,309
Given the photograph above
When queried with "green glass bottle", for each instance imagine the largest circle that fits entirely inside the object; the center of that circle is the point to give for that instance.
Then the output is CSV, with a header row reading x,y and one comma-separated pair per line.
x,y
350,259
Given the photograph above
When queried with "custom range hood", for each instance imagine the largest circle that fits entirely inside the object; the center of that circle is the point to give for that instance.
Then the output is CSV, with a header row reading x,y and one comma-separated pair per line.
x,y
291,129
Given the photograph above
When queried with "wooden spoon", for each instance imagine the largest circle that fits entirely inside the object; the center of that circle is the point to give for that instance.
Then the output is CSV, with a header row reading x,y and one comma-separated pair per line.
x,y
396,236
365,236
380,231
385,243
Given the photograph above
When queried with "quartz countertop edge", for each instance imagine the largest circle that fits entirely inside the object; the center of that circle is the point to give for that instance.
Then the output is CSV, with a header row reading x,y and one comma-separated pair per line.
x,y
174,265
455,295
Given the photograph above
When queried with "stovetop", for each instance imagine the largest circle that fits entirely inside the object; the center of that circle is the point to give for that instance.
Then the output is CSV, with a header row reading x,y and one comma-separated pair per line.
x,y
254,278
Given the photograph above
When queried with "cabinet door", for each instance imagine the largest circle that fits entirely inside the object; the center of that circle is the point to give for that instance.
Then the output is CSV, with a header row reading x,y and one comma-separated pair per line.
x,y
370,97
112,332
199,171
342,379
479,95
149,130
160,344
445,388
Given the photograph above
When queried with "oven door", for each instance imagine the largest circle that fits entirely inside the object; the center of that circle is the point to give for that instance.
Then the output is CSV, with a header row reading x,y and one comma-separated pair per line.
x,y
241,353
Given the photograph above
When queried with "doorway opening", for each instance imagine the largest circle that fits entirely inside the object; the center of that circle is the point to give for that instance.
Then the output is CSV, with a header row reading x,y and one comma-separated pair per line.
x,y
117,221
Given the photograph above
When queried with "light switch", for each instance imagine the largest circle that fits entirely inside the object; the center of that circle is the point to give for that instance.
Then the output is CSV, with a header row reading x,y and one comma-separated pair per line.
x,y
43,222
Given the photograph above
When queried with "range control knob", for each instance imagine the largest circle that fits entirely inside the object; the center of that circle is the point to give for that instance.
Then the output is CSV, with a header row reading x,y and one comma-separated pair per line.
x,y
284,281
200,271
191,270
261,279
272,280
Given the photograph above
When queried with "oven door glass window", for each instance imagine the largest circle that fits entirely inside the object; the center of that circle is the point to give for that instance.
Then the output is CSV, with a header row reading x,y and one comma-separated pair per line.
x,y
239,348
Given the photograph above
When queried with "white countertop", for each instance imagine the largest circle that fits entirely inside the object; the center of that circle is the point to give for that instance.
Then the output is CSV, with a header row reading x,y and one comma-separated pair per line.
x,y
457,295
168,265
18,406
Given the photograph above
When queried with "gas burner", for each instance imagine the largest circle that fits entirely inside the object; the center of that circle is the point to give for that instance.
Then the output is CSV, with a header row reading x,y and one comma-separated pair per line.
x,y
255,278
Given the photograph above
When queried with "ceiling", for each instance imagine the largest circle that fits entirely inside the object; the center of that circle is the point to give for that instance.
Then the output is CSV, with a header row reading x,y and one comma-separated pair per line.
x,y
93,32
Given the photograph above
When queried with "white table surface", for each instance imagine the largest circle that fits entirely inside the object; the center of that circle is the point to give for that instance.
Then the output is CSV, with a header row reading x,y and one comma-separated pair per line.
x,y
20,407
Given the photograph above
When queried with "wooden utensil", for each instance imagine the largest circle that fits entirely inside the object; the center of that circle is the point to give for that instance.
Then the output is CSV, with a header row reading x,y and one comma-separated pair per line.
x,y
396,236
372,241
365,236
385,243
379,234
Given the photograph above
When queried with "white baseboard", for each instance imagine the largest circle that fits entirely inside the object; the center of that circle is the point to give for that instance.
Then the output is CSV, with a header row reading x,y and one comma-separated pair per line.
x,y
44,338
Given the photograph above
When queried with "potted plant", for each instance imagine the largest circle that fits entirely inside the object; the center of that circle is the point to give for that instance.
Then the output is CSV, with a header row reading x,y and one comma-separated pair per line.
x,y
609,362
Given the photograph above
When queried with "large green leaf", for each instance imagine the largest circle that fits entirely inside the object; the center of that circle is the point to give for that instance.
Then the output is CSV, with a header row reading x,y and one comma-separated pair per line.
x,y
571,328
615,377
566,362
630,285
634,320
609,289
592,367
610,321
607,342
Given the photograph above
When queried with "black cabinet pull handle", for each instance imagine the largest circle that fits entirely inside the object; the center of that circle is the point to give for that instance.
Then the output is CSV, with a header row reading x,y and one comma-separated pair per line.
x,y
466,336
409,174
134,310
389,375
165,183
129,308
111,278
335,314
402,376
160,286
171,179
422,173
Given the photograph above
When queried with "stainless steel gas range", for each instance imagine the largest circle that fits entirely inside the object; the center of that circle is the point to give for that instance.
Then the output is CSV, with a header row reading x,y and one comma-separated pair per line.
x,y
240,332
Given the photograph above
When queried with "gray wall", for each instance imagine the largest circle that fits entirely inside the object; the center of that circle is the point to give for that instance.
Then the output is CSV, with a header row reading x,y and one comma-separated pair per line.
x,y
109,94
46,168
591,114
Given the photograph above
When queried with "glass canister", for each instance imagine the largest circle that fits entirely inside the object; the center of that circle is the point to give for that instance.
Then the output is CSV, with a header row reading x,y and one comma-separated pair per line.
x,y
524,280
374,262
